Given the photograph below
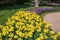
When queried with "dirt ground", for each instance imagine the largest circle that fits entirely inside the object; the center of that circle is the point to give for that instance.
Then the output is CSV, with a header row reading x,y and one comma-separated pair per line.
x,y
54,19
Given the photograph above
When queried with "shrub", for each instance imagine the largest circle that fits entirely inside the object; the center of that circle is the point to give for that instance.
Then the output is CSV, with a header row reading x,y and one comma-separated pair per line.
x,y
19,1
14,1
22,1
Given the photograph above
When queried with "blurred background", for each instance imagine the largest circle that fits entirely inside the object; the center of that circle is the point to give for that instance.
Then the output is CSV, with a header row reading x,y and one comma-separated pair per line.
x,y
19,2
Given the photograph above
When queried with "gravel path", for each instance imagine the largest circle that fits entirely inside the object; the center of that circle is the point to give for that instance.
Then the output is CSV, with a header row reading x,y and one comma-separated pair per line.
x,y
54,19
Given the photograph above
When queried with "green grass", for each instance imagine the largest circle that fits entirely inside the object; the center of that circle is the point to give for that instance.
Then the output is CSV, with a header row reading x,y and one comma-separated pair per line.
x,y
8,11
4,14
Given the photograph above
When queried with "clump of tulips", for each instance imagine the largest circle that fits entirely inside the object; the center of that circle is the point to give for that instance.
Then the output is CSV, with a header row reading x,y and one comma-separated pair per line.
x,y
27,26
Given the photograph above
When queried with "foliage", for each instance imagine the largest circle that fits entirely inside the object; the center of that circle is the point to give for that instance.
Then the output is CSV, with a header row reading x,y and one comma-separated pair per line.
x,y
14,1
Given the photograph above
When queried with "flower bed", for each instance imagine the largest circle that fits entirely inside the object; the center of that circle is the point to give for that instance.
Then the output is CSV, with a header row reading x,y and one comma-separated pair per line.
x,y
27,26
40,10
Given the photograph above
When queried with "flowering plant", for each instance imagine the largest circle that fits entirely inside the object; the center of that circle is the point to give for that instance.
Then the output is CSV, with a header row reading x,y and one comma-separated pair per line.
x,y
40,10
27,26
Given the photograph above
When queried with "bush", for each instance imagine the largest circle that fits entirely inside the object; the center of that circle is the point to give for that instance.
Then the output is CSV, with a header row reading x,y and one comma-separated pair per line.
x,y
22,1
19,1
15,2
27,0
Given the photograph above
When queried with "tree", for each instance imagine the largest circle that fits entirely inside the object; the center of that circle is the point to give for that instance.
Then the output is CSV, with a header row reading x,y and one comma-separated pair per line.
x,y
36,3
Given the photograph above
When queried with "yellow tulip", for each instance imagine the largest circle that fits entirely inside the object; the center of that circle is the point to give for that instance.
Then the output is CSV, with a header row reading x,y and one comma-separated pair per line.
x,y
11,35
58,34
52,32
46,30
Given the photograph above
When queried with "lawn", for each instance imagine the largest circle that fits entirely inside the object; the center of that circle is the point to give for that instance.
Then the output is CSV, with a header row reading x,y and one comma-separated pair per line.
x,y
8,11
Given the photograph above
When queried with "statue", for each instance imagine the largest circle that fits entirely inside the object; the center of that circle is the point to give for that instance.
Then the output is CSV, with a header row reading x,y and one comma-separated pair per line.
x,y
36,3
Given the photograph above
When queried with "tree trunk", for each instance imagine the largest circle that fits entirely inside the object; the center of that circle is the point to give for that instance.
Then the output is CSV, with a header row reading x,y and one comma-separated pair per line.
x,y
36,3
